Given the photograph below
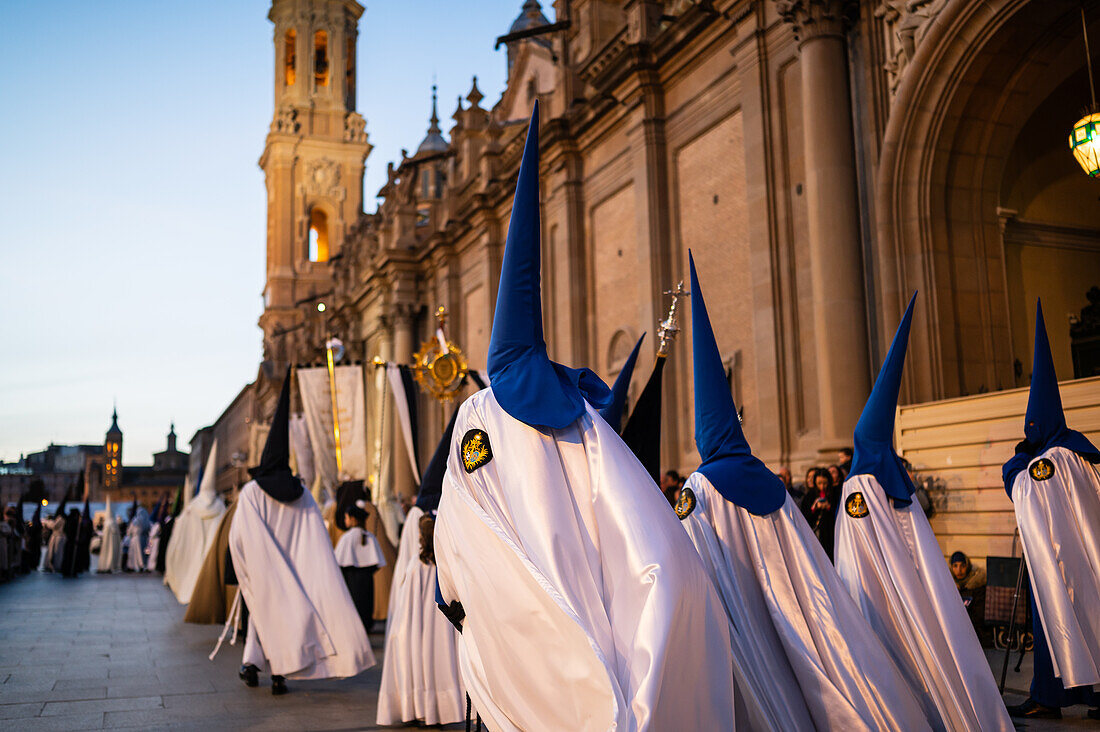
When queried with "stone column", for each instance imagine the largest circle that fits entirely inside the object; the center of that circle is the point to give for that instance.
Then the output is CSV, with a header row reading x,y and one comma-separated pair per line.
x,y
404,318
840,318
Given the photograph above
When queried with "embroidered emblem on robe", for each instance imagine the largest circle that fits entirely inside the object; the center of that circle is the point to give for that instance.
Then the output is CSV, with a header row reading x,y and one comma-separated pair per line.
x,y
475,450
1041,469
686,504
856,506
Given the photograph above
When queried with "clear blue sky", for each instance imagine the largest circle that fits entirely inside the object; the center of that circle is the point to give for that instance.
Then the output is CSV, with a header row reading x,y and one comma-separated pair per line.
x,y
133,207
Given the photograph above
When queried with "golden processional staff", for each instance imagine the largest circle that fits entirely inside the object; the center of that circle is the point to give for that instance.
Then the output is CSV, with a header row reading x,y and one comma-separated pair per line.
x,y
439,367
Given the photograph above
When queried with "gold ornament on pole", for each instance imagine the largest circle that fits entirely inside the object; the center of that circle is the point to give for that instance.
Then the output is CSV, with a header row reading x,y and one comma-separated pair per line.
x,y
1084,140
669,328
440,366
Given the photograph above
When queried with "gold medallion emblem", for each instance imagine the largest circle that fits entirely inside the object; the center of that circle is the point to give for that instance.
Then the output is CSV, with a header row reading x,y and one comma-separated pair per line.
x,y
475,450
856,506
1041,469
686,504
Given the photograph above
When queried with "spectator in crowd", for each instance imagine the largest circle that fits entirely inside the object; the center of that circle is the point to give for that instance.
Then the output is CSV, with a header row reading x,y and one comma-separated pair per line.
x,y
819,507
808,484
844,459
785,476
837,475
670,486
971,583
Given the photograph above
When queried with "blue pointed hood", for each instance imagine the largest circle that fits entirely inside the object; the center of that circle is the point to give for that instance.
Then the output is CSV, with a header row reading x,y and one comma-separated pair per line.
x,y
526,383
728,462
613,413
874,438
1045,422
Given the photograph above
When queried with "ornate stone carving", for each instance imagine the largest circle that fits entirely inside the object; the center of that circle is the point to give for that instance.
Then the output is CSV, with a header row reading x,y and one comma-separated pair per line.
x,y
815,18
904,25
322,178
355,128
285,121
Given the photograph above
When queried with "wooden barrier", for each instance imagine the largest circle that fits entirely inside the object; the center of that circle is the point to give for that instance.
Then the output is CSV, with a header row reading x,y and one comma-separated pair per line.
x,y
964,442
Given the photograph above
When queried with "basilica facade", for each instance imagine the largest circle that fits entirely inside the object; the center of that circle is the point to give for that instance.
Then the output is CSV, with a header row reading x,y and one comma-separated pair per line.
x,y
821,159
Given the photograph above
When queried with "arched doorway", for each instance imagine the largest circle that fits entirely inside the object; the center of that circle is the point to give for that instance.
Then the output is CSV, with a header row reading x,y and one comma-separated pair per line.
x,y
980,204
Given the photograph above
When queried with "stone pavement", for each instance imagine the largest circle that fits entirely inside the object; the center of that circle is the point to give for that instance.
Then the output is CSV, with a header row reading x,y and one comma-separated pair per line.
x,y
112,651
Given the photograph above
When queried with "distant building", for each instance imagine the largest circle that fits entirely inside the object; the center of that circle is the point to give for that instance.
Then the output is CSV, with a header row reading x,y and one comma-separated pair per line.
x,y
107,475
52,473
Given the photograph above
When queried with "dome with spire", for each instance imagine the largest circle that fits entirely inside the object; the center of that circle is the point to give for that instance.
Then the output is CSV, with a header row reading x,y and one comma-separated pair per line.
x,y
433,141
529,17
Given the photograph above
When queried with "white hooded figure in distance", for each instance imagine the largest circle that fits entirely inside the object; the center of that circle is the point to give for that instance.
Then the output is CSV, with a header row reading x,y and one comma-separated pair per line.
x,y
585,606
889,559
803,656
1055,488
420,679
110,544
194,532
301,618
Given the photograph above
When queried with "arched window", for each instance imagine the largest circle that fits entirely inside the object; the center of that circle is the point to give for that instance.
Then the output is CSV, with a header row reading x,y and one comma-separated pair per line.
x,y
318,236
290,52
320,58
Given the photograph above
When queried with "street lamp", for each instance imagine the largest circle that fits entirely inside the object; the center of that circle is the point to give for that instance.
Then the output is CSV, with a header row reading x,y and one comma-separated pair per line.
x,y
1084,140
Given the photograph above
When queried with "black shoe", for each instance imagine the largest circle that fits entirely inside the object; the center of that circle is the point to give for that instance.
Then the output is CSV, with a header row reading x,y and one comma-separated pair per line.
x,y
249,675
1032,709
1093,713
278,686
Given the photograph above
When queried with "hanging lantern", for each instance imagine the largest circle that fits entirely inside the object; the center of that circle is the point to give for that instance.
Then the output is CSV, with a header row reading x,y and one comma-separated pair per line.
x,y
1084,140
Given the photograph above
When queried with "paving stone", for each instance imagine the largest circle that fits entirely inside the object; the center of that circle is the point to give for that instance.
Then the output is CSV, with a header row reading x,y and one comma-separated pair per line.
x,y
18,711
102,705
62,723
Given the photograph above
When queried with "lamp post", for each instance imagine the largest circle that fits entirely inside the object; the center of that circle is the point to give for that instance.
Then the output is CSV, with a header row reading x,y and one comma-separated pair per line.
x,y
1084,140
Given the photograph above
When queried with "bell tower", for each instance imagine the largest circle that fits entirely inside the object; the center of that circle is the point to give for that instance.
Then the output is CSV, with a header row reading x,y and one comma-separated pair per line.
x,y
313,158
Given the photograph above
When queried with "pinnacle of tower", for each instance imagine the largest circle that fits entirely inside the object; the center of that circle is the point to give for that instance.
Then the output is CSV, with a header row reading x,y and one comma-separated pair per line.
x,y
457,116
114,429
475,95
433,142
529,17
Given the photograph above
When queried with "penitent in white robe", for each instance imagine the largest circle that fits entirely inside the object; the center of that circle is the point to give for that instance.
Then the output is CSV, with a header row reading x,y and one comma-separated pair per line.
x,y
193,532
110,547
587,608
804,656
892,565
1059,519
420,679
55,547
152,548
301,617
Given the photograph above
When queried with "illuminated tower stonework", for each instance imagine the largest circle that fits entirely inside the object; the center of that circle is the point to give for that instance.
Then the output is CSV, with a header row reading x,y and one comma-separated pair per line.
x,y
313,159
112,454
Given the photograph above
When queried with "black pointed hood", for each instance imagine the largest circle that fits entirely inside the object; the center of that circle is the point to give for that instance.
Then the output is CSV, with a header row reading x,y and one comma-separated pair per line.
x,y
273,474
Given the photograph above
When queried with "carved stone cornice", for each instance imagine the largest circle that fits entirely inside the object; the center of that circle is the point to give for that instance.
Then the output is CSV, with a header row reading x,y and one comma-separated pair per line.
x,y
818,18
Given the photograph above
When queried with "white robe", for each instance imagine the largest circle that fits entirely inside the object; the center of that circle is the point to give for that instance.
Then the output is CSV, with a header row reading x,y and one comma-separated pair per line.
x,y
192,534
152,548
420,679
135,557
110,547
353,551
302,619
804,656
893,566
55,547
587,608
1059,520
